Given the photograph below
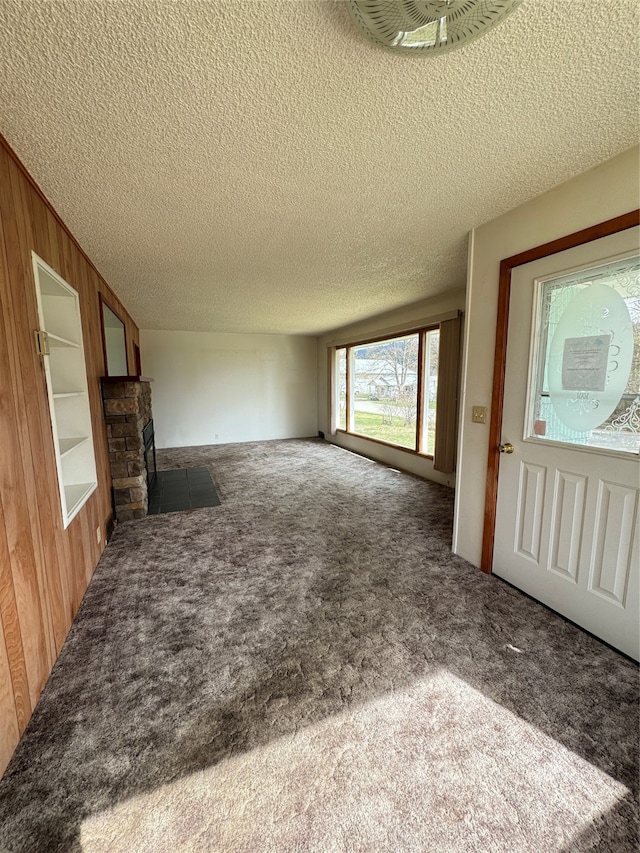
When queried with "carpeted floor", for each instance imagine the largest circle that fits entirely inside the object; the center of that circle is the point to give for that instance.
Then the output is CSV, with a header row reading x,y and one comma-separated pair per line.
x,y
307,668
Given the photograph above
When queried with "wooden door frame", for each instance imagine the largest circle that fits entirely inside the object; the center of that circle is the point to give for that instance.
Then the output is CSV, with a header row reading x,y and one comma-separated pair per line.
x,y
507,265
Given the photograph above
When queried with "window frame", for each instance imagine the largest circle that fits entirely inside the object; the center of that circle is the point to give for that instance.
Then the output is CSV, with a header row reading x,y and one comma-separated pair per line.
x,y
421,332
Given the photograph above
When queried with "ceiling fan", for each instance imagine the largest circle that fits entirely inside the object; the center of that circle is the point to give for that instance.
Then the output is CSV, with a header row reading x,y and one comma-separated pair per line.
x,y
427,27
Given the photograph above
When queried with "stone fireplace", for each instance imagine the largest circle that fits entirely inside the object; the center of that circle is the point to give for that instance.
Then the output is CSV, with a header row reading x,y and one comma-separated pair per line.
x,y
128,415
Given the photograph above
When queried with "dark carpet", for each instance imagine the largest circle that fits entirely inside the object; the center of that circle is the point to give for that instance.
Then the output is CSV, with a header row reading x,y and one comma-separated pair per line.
x,y
307,668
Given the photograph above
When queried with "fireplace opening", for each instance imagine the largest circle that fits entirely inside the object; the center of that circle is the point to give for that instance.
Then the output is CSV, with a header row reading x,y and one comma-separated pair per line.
x,y
149,441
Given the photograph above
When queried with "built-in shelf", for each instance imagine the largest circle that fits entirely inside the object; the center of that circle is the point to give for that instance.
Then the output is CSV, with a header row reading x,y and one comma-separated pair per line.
x,y
67,387
66,445
76,494
57,341
107,379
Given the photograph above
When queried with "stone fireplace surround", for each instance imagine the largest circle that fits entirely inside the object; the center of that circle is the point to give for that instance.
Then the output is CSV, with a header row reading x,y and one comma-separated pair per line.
x,y
127,411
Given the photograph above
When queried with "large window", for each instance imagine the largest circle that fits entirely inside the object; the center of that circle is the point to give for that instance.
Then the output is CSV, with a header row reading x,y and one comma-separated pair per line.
x,y
386,390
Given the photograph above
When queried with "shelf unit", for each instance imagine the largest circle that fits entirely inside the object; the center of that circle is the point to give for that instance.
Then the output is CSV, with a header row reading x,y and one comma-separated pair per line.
x,y
67,388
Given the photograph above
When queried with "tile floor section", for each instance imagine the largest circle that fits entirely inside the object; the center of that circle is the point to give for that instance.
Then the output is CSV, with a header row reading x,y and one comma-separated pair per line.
x,y
184,488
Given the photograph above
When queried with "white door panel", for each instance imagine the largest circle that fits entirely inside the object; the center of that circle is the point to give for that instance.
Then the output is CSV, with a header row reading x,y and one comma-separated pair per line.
x,y
567,524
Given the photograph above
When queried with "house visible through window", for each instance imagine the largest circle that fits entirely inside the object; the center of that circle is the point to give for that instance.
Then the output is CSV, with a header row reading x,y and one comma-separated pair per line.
x,y
386,390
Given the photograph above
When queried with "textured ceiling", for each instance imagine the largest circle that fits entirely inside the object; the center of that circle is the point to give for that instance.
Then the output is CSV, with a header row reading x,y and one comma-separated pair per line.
x,y
262,167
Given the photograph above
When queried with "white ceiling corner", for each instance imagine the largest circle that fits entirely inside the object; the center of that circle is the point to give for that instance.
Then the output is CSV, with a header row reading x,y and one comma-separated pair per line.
x,y
259,166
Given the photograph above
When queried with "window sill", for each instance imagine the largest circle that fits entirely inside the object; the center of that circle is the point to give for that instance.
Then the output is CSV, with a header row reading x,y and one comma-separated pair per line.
x,y
385,443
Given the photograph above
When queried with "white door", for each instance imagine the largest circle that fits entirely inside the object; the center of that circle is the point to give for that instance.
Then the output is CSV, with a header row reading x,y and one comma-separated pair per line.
x,y
567,520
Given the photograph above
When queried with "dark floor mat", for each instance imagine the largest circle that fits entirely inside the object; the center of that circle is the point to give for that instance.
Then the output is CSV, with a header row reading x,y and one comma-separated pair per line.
x,y
184,488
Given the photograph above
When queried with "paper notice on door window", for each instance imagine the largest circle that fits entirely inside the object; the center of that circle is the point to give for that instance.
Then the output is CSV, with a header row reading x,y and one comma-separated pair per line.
x,y
584,363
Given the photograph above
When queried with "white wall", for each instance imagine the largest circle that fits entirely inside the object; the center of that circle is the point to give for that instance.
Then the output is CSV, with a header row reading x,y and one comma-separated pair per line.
x,y
595,196
410,317
212,388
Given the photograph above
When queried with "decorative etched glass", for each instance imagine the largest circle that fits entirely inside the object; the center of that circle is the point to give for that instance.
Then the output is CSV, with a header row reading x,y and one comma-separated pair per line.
x,y
585,387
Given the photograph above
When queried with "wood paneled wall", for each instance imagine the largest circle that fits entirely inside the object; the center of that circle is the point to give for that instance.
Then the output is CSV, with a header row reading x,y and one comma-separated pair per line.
x,y
44,570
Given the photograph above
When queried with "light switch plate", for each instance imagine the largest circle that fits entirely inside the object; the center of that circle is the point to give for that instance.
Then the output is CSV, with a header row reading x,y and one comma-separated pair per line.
x,y
479,414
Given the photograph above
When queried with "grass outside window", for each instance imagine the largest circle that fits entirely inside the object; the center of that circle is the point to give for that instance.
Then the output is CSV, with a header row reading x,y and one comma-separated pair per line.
x,y
386,390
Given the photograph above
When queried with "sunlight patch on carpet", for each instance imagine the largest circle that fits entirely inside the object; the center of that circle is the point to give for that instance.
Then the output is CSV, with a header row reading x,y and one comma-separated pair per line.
x,y
403,772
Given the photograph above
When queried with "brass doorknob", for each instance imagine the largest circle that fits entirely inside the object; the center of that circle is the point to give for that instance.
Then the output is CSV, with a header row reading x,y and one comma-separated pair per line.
x,y
507,447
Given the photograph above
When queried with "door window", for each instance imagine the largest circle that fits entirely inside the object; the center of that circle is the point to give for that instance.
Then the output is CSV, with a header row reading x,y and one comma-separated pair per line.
x,y
584,386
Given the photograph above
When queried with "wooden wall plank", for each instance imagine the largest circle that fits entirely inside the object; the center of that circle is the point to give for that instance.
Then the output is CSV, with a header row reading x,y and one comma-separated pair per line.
x,y
17,480
12,641
53,229
44,569
9,731
37,424
12,637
